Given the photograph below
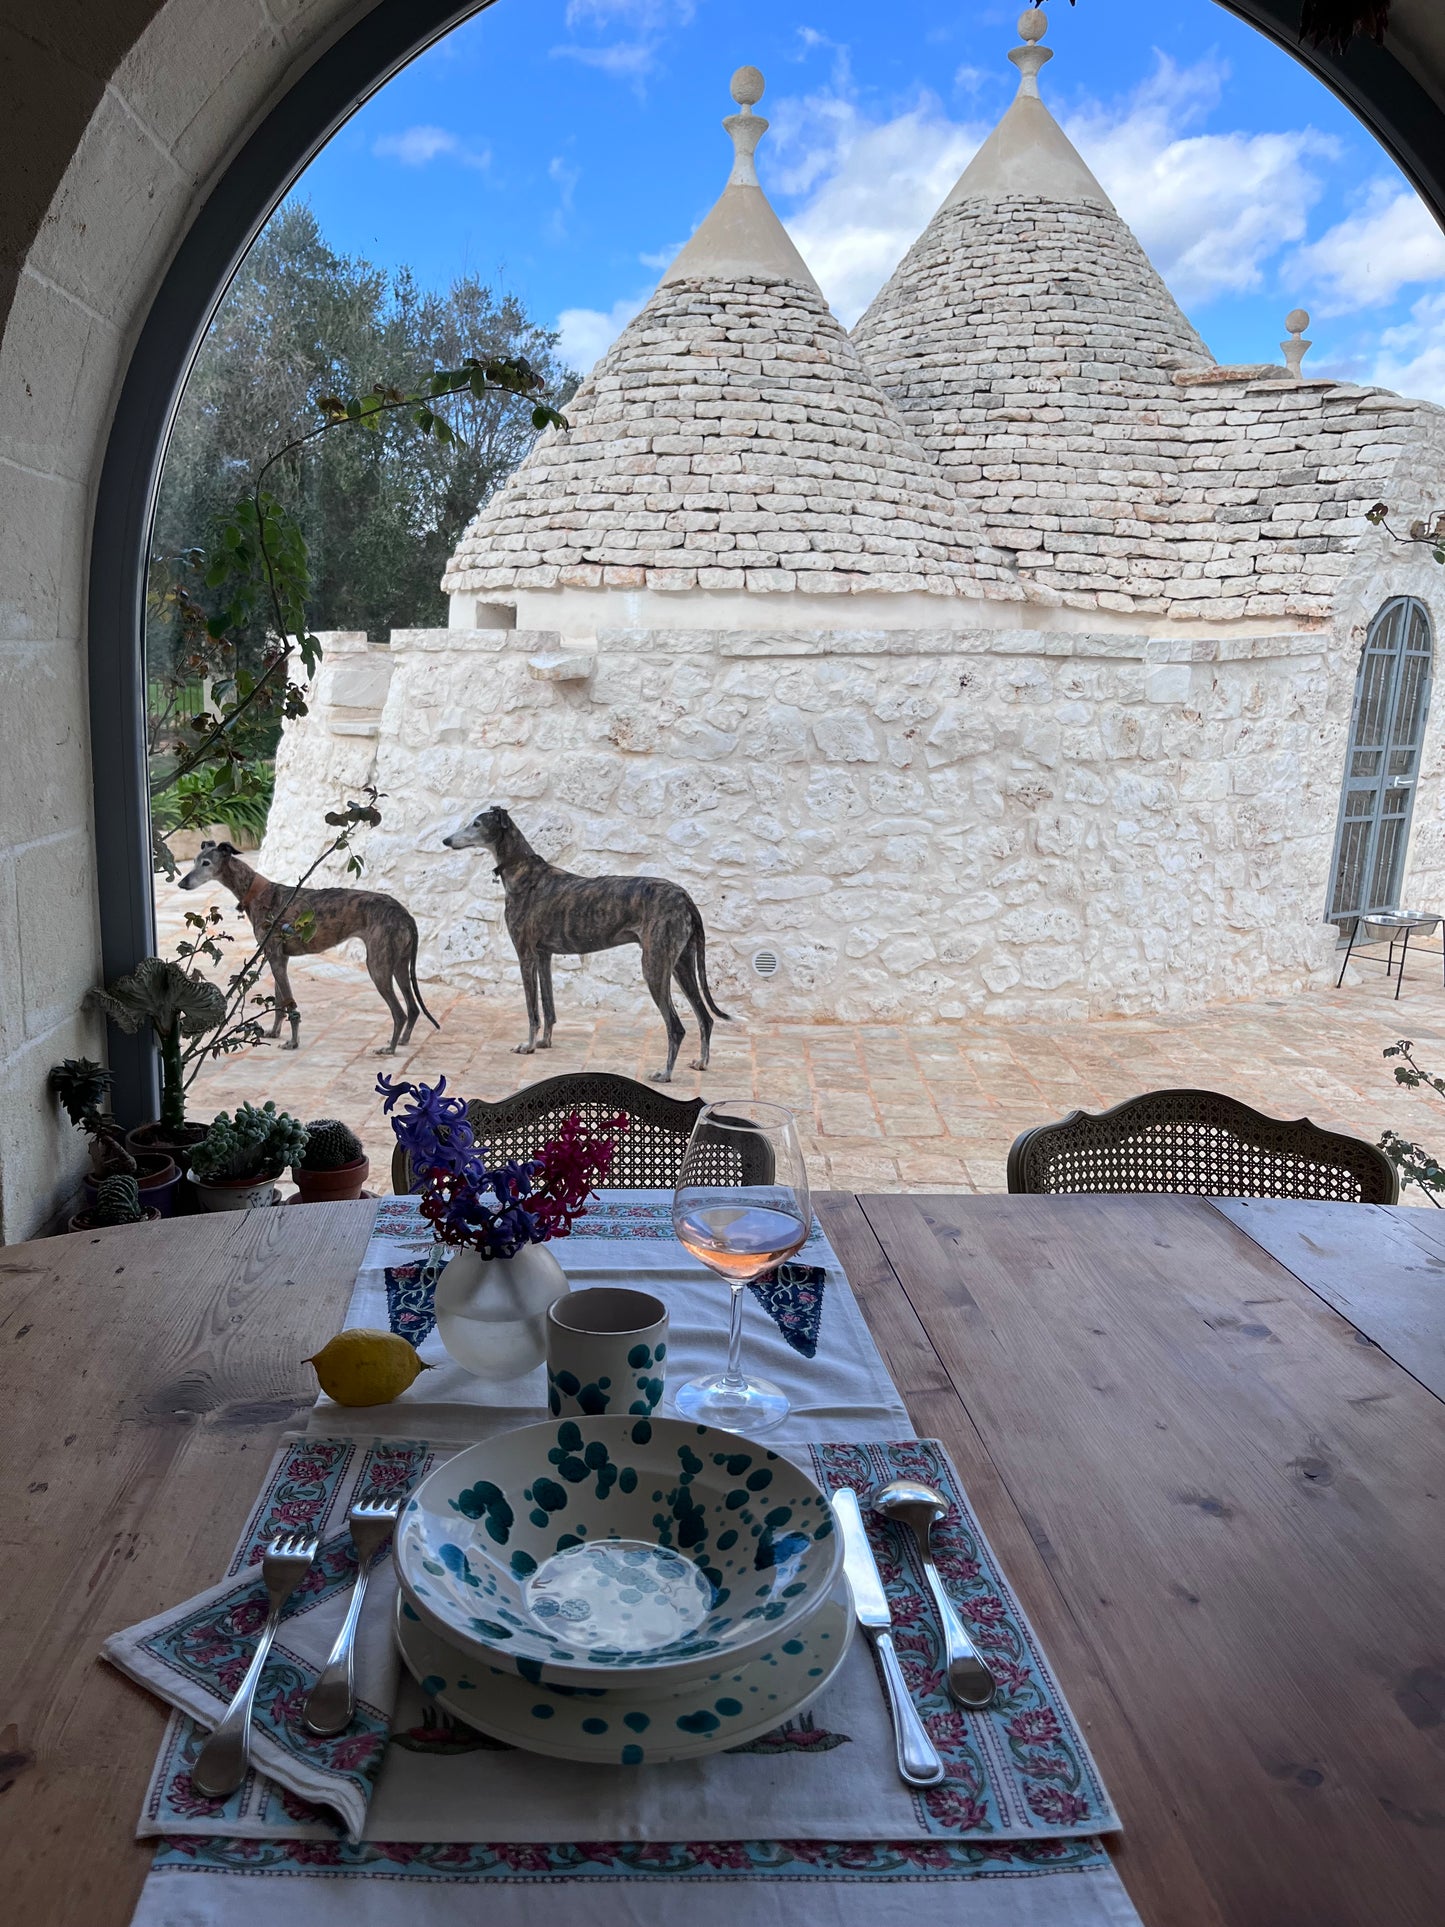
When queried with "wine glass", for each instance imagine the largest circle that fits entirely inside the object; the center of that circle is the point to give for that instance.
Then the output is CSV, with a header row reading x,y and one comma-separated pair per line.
x,y
741,1206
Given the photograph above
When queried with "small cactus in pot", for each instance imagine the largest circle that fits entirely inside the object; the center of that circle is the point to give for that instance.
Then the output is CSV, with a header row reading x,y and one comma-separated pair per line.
x,y
117,1201
333,1167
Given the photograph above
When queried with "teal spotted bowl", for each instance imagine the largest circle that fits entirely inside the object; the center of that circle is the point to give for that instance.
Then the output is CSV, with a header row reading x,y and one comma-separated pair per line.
x,y
608,1551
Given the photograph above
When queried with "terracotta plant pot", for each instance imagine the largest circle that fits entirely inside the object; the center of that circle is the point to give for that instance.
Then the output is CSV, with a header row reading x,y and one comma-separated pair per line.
x,y
157,1176
331,1187
176,1142
235,1194
82,1221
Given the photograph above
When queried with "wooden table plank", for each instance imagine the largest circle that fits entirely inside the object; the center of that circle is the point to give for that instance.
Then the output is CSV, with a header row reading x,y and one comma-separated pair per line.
x,y
1155,1855
1243,1504
151,1369
1383,1266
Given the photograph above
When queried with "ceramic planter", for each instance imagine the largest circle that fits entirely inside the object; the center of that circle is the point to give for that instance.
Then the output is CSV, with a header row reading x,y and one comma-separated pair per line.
x,y
235,1194
176,1143
492,1312
334,1186
156,1175
82,1221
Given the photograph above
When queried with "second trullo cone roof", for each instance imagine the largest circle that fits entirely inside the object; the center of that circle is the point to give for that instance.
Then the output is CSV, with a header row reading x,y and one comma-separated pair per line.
x,y
729,440
1032,347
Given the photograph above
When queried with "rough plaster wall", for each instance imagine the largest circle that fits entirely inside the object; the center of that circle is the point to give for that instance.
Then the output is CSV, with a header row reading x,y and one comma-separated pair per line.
x,y
158,127
924,825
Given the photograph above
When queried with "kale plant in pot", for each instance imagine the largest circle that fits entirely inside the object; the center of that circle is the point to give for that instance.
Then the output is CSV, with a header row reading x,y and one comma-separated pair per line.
x,y
117,1201
83,1088
237,1162
333,1167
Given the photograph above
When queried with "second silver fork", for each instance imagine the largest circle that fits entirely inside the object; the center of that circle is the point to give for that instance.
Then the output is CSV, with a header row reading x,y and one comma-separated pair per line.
x,y
332,1700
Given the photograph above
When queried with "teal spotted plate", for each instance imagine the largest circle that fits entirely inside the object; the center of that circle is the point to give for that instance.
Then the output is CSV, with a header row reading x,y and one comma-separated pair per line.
x,y
583,1551
614,1726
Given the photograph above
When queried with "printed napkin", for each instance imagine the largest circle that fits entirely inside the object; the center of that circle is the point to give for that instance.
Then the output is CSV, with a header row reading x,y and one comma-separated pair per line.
x,y
195,1655
1020,1772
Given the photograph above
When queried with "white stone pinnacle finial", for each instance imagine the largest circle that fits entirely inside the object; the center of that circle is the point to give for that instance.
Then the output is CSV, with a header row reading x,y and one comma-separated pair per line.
x,y
1295,350
1033,25
746,128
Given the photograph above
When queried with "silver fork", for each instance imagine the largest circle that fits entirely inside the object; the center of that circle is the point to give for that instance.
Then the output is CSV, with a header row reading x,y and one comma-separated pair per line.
x,y
332,1700
221,1764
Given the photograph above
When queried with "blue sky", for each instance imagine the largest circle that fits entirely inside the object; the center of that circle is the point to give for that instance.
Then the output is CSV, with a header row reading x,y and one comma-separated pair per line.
x,y
567,148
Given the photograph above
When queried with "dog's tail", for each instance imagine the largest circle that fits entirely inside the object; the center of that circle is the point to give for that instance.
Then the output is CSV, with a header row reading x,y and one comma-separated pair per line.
x,y
699,940
415,986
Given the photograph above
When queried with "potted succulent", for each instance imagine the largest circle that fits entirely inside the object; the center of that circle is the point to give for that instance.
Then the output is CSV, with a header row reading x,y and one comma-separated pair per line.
x,y
117,1201
184,1009
236,1164
82,1087
333,1166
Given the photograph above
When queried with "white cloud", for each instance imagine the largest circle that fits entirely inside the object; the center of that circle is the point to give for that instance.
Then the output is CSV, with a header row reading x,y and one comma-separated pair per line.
x,y
646,21
1411,356
625,59
869,187
1210,209
1365,260
587,333
417,146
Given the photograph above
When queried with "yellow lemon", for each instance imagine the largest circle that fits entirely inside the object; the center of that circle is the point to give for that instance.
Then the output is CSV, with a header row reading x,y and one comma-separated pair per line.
x,y
366,1367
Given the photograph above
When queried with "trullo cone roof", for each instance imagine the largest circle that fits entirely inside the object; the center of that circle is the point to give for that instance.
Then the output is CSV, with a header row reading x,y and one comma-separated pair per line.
x,y
729,440
1032,347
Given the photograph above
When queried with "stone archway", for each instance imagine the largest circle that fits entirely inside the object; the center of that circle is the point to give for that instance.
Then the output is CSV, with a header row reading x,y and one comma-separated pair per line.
x,y
150,139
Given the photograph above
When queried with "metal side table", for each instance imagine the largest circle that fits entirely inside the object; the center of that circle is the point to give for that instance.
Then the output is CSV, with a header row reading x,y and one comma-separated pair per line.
x,y
1392,927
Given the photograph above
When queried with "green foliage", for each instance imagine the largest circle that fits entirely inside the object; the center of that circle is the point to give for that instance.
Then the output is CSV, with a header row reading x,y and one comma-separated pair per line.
x,y
117,1201
258,1142
330,1144
82,1087
1414,1164
195,802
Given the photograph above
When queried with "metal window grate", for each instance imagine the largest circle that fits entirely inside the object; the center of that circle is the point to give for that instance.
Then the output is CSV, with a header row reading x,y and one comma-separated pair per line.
x,y
1392,700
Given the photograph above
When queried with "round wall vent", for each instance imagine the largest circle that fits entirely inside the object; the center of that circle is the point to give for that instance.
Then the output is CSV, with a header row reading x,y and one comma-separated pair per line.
x,y
765,963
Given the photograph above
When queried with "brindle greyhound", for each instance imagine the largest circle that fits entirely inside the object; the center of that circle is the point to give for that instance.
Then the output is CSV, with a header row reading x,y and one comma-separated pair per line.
x,y
330,917
552,913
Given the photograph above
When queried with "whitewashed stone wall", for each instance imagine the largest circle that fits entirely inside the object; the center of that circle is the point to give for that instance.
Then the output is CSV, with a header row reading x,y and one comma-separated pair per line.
x,y
923,825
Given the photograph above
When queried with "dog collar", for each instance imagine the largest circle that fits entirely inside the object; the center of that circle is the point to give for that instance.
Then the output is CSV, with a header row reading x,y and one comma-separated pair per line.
x,y
253,891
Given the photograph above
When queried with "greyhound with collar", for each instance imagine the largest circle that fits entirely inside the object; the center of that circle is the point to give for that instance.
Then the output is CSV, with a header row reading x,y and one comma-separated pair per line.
x,y
293,922
551,912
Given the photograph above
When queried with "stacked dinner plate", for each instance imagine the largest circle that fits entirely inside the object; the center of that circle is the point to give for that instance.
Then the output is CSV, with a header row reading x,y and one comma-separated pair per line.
x,y
621,1589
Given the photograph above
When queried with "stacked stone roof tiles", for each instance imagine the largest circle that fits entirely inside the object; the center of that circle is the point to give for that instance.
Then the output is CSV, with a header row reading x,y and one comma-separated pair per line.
x,y
729,439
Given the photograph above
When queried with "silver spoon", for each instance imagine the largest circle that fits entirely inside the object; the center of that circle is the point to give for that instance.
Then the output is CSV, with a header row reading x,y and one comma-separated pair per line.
x,y
908,1502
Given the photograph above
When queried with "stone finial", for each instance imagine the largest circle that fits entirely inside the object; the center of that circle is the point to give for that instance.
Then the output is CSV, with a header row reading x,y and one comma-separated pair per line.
x,y
1295,350
746,128
1033,25
747,87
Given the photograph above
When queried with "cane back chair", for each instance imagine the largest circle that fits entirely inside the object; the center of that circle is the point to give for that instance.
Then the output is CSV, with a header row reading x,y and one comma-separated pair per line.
x,y
1202,1143
649,1152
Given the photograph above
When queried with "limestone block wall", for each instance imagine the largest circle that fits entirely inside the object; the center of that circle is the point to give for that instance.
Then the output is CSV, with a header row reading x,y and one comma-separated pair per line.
x,y
920,824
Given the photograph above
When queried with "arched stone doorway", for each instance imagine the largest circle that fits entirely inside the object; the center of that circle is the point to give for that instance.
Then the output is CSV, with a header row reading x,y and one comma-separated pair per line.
x,y
160,133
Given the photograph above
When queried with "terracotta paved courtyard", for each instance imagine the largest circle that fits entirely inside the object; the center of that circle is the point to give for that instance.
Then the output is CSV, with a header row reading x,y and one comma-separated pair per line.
x,y
882,1107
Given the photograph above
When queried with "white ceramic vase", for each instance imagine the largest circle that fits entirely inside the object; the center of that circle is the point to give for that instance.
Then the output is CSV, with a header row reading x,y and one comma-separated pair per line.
x,y
492,1312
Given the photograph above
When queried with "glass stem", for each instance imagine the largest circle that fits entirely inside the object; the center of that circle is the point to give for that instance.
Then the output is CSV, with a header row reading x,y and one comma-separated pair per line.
x,y
733,1376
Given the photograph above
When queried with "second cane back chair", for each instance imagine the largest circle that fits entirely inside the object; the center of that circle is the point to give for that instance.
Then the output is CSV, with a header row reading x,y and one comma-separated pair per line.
x,y
1202,1143
649,1152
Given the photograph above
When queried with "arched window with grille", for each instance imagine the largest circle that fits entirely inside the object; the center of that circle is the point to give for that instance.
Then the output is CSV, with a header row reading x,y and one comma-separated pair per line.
x,y
1382,764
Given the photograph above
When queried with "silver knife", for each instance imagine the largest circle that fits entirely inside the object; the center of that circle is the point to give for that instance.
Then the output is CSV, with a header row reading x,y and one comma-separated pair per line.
x,y
918,1758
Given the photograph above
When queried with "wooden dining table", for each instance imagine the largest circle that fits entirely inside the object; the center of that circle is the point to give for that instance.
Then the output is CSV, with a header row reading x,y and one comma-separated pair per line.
x,y
1207,1440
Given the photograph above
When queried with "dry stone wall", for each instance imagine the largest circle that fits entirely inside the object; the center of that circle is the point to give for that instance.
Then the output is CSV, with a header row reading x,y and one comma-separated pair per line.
x,y
921,825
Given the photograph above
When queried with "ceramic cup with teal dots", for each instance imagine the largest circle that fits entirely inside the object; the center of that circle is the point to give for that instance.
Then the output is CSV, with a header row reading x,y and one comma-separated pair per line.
x,y
606,1353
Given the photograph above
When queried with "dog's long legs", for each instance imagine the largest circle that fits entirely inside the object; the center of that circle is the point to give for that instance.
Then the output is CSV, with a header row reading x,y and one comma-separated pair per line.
x,y
685,970
530,968
657,969
285,1002
380,967
401,961
549,1009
